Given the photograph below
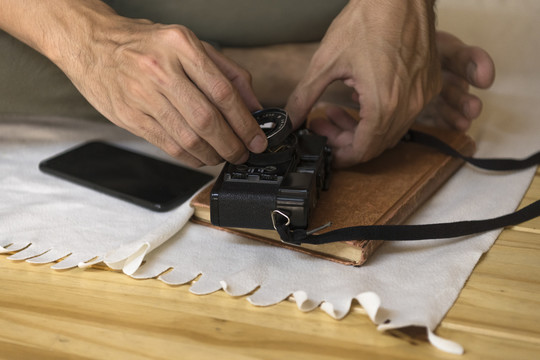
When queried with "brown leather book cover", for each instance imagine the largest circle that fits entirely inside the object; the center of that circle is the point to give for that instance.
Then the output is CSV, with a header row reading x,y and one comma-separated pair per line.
x,y
385,190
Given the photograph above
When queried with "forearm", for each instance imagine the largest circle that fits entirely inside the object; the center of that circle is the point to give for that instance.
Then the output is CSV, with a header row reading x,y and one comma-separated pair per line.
x,y
158,81
392,18
424,6
59,29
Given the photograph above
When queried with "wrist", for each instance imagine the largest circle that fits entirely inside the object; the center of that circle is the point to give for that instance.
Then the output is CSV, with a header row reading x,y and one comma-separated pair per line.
x,y
76,32
407,22
62,30
420,7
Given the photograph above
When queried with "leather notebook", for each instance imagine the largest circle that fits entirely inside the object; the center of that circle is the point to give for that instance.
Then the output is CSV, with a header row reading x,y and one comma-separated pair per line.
x,y
385,190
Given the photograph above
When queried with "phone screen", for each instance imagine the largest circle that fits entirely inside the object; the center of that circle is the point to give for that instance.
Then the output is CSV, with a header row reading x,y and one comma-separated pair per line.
x,y
140,179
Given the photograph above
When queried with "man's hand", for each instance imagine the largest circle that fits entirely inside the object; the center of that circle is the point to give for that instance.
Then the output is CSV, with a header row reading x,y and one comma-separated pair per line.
x,y
163,84
157,81
385,50
462,66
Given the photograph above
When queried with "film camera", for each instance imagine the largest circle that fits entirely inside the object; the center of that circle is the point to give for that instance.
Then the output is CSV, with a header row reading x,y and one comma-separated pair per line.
x,y
286,179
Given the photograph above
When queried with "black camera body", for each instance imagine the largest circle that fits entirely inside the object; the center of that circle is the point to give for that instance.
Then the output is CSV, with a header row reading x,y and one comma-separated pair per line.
x,y
287,178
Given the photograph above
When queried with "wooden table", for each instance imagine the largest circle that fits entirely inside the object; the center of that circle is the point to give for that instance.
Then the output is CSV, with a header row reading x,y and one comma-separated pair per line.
x,y
89,314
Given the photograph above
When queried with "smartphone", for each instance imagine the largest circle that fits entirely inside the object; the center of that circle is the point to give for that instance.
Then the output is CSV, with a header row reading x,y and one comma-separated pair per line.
x,y
140,179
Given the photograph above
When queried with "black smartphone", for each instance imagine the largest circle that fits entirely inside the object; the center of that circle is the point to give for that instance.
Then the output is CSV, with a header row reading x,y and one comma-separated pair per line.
x,y
140,179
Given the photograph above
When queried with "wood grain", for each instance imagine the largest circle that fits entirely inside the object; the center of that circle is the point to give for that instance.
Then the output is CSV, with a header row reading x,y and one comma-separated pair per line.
x,y
96,314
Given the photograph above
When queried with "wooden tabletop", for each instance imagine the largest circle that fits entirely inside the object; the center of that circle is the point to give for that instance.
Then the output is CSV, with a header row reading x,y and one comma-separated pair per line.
x,y
98,314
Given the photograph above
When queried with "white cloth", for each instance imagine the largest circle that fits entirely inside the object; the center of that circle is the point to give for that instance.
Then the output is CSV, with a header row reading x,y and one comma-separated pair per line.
x,y
408,283
59,218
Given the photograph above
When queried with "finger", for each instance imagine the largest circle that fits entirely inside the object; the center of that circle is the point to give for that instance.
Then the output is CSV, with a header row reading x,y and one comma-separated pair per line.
x,y
308,91
156,106
337,137
468,105
364,145
341,118
324,127
450,78
339,140
343,157
240,77
430,116
177,127
148,128
208,123
223,95
469,62
372,139
451,116
202,117
361,146
355,97
337,124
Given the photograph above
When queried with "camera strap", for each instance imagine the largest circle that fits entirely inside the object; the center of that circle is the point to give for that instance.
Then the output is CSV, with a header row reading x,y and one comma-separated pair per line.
x,y
420,232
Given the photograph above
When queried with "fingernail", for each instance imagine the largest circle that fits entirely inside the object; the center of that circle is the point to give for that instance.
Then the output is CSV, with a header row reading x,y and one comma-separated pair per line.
x,y
258,144
471,72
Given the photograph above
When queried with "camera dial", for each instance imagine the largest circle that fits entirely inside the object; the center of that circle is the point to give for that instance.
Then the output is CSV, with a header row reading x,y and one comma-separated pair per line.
x,y
275,123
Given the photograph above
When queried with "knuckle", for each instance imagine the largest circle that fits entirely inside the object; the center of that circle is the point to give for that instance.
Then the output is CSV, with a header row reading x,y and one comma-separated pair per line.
x,y
179,153
213,158
193,163
177,35
215,161
222,92
204,119
140,126
153,134
185,42
245,75
234,153
174,150
193,144
165,114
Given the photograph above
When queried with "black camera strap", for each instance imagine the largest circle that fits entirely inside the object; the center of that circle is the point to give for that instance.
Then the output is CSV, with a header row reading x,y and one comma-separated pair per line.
x,y
495,164
420,232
